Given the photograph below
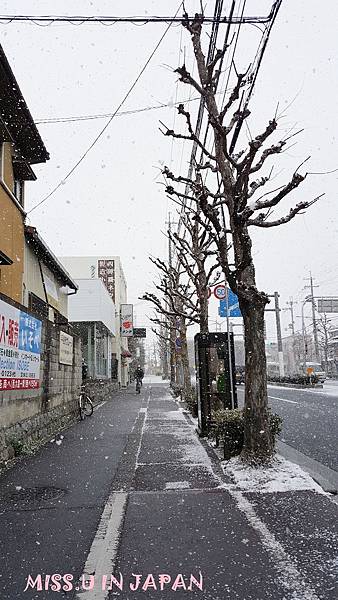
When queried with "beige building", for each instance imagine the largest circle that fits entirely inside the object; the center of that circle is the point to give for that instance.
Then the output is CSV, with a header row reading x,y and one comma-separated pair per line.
x,y
20,147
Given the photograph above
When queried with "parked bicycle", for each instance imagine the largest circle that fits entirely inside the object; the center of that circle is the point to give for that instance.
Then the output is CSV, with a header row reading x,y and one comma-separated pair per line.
x,y
85,405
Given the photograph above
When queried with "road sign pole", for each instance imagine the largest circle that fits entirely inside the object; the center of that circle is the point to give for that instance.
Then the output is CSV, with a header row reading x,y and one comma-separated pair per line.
x,y
229,348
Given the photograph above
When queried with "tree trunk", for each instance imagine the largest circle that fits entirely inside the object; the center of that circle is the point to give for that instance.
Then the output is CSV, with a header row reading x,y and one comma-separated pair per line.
x,y
185,364
203,302
258,447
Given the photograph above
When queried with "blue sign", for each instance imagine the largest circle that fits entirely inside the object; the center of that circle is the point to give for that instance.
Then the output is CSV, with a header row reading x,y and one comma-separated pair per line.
x,y
29,333
233,305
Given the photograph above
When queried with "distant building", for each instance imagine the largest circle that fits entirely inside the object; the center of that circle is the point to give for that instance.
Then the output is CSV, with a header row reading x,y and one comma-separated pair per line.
x,y
109,270
92,314
332,362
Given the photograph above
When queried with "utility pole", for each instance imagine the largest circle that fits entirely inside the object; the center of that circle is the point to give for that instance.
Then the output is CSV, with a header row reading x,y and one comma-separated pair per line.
x,y
315,331
276,310
290,305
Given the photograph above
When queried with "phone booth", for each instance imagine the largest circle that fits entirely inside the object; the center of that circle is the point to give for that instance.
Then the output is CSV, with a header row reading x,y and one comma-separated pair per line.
x,y
213,375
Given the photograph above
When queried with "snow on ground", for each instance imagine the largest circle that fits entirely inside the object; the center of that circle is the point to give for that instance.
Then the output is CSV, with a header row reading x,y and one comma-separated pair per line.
x,y
282,476
327,389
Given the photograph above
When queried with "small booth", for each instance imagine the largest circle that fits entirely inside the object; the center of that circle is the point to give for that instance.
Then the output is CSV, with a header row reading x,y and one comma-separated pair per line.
x,y
215,375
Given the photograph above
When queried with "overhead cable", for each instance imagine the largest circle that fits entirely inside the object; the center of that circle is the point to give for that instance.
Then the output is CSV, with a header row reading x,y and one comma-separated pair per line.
x,y
47,20
62,182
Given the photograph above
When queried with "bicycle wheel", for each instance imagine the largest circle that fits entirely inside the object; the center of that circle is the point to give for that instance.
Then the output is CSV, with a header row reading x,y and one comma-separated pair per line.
x,y
81,413
87,405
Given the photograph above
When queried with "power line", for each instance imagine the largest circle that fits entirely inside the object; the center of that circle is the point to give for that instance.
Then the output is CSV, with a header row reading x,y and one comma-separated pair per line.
x,y
51,120
80,20
108,123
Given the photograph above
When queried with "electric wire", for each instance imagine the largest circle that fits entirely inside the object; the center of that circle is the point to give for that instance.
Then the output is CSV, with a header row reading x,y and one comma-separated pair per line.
x,y
83,156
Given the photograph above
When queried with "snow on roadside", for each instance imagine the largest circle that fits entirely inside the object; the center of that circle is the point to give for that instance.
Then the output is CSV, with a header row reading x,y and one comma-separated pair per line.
x,y
282,476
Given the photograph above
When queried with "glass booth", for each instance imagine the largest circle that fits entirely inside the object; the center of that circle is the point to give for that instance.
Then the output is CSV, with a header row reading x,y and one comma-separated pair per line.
x,y
215,375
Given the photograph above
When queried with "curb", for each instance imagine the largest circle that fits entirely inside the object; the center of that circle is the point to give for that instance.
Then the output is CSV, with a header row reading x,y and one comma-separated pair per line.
x,y
325,477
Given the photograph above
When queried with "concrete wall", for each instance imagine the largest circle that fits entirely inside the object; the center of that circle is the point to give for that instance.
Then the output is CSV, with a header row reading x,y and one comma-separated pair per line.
x,y
29,415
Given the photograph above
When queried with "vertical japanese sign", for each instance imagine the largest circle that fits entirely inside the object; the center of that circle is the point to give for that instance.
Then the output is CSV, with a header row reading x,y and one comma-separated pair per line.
x,y
20,349
66,347
127,320
106,272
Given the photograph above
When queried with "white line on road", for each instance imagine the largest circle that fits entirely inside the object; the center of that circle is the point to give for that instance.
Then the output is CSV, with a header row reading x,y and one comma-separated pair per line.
x,y
283,399
99,405
289,576
101,558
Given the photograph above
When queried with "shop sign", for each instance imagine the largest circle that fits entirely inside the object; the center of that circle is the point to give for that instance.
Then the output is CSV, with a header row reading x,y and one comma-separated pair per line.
x,y
20,349
66,348
127,320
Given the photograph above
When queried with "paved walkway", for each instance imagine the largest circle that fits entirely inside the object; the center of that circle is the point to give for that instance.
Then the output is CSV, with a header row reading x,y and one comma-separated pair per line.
x,y
133,491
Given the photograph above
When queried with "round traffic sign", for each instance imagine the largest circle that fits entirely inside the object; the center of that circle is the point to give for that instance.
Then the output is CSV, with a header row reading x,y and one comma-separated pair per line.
x,y
220,291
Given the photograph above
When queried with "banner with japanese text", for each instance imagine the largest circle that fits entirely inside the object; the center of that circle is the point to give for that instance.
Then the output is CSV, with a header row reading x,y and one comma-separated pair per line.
x,y
20,349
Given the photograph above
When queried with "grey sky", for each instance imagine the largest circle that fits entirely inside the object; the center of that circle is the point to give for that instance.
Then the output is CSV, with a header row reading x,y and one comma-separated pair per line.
x,y
112,204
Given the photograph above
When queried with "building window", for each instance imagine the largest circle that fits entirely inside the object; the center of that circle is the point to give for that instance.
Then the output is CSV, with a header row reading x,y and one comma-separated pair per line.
x,y
18,190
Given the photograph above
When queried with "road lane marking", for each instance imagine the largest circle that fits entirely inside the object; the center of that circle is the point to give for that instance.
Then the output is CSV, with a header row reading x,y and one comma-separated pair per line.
x,y
283,399
99,405
289,576
102,554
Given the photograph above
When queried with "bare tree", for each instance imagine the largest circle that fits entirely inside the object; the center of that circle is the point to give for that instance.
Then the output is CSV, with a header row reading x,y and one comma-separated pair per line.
x,y
235,202
174,309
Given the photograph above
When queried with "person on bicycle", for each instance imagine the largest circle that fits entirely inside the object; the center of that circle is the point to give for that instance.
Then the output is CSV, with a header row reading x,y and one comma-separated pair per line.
x,y
139,374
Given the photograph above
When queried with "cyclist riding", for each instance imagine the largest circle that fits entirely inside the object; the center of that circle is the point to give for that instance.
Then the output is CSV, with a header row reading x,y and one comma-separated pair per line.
x,y
139,374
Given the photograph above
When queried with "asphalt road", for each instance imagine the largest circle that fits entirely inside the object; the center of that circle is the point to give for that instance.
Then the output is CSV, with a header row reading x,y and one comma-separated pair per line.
x,y
310,420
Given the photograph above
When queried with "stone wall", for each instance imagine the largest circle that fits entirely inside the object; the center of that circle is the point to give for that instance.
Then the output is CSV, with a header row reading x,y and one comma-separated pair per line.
x,y
100,389
27,416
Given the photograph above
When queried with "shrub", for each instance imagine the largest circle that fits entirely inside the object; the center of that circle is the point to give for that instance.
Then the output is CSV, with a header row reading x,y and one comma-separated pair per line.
x,y
228,427
299,379
176,390
191,401
17,445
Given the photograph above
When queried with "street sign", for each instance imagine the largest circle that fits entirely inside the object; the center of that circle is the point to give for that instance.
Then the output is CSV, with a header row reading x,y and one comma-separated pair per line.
x,y
220,291
328,305
233,304
140,332
209,293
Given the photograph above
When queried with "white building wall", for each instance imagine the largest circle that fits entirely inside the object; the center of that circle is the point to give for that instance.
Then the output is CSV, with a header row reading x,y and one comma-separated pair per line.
x,y
86,267
92,303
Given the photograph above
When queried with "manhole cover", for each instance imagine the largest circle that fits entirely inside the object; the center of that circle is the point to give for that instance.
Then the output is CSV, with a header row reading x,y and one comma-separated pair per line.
x,y
31,496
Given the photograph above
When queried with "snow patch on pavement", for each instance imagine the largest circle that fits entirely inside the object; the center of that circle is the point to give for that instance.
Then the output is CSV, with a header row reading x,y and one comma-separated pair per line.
x,y
177,485
282,476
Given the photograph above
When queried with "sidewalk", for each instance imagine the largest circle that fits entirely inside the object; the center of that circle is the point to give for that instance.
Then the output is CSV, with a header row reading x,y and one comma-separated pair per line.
x,y
143,495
